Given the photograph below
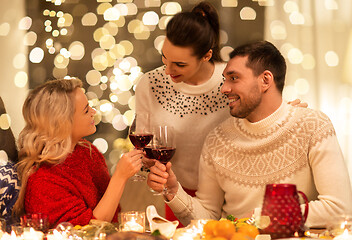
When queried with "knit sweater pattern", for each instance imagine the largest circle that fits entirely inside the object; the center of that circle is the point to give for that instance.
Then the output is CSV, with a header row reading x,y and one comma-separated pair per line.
x,y
293,145
193,110
69,191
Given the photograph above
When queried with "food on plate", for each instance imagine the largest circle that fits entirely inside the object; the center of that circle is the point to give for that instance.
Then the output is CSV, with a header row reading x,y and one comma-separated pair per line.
x,y
229,228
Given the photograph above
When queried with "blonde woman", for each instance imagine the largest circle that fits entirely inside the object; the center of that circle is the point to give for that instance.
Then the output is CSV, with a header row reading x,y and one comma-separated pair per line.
x,y
63,175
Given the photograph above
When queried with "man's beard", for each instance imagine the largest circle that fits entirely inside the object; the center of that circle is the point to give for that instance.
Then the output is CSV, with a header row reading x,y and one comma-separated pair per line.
x,y
247,107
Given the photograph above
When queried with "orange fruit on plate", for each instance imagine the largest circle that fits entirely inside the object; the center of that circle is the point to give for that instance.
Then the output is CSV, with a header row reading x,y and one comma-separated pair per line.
x,y
218,238
209,227
239,236
224,228
248,230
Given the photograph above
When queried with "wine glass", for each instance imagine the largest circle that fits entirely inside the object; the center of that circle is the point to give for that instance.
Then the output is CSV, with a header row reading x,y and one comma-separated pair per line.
x,y
164,146
140,135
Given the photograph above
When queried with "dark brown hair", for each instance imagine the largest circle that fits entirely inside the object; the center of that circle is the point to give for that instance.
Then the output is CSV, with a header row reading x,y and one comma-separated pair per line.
x,y
262,56
199,29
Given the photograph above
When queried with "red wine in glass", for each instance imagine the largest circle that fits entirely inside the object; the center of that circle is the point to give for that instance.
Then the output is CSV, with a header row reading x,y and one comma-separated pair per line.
x,y
148,152
140,140
163,154
164,146
140,135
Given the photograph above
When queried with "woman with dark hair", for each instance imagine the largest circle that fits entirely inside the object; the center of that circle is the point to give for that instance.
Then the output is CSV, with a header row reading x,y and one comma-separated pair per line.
x,y
9,185
185,91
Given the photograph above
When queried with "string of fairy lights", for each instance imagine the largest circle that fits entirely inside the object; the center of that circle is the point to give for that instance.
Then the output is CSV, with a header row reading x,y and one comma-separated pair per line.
x,y
114,71
120,29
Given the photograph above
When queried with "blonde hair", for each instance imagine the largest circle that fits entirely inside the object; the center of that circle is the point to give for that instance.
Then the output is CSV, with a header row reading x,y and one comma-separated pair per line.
x,y
46,138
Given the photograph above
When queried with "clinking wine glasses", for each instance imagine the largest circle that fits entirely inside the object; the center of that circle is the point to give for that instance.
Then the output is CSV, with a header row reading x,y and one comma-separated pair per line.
x,y
140,135
163,146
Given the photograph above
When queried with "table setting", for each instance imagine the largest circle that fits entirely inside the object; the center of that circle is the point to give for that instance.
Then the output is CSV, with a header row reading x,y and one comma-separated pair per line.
x,y
149,225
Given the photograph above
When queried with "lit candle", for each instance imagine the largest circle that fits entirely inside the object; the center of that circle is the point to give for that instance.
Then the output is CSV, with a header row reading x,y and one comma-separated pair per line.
x,y
133,226
33,235
56,235
133,221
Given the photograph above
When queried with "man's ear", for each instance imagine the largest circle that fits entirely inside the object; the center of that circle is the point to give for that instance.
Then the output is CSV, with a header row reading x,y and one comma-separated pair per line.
x,y
267,80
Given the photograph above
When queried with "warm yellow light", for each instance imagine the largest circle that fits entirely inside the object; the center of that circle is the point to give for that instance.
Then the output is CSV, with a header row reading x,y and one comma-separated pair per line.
x,y
224,37
295,56
152,3
163,22
171,8
107,42
60,61
63,32
128,46
89,19
119,124
30,38
248,13
224,52
36,55
46,12
331,5
229,3
117,51
112,28
76,50
297,18
93,77
278,30
49,42
55,33
103,7
290,6
5,121
99,33
129,116
59,14
101,144
59,72
21,79
158,43
331,59
52,14
25,23
123,83
302,86
111,14
150,18
19,61
131,9
122,8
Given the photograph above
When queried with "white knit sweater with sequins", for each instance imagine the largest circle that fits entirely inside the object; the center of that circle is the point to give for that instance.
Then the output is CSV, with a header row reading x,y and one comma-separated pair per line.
x,y
293,145
192,110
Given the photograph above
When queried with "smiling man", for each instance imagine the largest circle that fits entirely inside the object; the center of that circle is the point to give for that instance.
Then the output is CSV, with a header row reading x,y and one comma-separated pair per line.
x,y
266,141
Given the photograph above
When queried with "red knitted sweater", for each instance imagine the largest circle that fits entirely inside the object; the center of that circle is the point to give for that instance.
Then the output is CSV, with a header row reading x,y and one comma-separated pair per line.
x,y
69,192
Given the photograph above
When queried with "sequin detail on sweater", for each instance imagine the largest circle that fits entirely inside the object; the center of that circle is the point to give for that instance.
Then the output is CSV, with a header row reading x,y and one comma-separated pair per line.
x,y
182,104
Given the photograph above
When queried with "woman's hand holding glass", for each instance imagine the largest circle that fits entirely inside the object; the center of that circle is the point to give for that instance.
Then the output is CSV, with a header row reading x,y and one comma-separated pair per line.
x,y
129,164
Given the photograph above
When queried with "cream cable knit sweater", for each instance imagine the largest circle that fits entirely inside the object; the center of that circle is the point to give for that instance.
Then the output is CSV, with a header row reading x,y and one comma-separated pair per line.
x,y
293,145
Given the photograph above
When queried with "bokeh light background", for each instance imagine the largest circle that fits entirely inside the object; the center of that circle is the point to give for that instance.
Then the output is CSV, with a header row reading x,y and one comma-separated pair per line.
x,y
109,44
